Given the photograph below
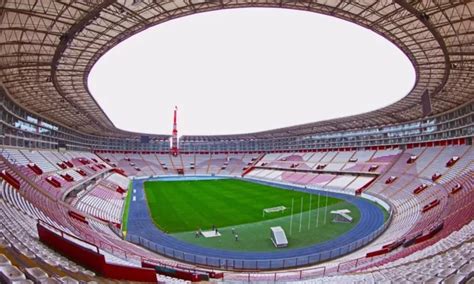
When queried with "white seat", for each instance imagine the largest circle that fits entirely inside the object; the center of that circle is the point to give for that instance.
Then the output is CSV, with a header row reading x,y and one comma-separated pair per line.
x,y
454,279
36,274
10,274
4,261
68,280
445,272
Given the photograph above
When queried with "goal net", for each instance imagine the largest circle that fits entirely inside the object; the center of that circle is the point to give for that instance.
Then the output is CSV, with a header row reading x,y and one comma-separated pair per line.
x,y
273,210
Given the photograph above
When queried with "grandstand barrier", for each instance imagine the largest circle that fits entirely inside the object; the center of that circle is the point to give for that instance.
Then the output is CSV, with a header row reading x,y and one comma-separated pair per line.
x,y
93,260
320,166
251,165
452,161
119,171
364,187
34,167
412,159
431,233
84,161
78,216
247,171
176,273
129,273
216,275
435,176
394,245
420,188
456,188
386,248
62,165
377,252
430,205
120,190
111,223
67,177
373,168
54,182
10,179
390,180
412,240
81,172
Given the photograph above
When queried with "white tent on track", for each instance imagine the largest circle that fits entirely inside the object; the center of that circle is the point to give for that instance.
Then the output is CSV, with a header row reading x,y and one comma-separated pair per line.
x,y
342,216
279,237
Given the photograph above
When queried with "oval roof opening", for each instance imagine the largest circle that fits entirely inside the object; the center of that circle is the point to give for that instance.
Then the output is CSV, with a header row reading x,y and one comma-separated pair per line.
x,y
247,70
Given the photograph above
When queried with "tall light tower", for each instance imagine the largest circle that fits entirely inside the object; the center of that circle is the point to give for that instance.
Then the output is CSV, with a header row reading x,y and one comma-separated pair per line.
x,y
174,137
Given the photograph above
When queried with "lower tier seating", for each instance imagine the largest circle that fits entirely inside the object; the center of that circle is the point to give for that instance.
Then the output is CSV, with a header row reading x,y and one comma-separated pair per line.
x,y
94,213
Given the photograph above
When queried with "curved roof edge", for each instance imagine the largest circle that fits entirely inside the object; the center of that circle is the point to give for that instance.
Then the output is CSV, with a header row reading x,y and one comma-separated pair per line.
x,y
50,48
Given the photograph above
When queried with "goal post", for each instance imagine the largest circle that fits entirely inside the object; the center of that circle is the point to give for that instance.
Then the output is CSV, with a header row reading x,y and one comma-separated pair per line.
x,y
273,210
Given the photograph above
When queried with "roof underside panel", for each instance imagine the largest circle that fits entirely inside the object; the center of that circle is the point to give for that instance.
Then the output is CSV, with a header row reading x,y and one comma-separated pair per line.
x,y
47,49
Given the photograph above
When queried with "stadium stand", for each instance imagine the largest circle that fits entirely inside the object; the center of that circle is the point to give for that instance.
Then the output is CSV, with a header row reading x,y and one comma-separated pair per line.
x,y
100,203
66,170
409,221
103,201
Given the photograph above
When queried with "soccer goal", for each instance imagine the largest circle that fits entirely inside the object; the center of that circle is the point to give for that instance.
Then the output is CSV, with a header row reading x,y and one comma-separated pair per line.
x,y
273,210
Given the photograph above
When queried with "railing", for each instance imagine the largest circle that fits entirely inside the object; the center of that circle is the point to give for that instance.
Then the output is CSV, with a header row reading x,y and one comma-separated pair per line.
x,y
69,237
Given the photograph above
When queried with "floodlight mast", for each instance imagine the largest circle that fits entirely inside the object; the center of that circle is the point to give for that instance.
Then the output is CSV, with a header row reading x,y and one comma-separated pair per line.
x,y
174,137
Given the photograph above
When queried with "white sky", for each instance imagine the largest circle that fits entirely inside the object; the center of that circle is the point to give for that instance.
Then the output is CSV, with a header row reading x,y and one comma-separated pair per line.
x,y
246,70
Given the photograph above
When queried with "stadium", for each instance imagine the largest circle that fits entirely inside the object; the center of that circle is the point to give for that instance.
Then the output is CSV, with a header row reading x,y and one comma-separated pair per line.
x,y
384,196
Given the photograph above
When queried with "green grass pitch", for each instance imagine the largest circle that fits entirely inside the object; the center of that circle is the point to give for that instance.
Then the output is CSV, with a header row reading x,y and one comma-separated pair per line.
x,y
126,207
182,207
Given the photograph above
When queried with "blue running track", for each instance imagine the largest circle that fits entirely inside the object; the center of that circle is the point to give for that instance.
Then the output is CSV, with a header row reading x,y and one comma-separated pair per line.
x,y
140,224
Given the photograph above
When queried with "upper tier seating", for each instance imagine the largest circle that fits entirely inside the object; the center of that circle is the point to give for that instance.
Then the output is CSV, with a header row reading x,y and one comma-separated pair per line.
x,y
191,164
346,161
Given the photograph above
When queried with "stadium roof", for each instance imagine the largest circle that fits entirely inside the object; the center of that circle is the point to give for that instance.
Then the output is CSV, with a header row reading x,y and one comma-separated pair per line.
x,y
49,47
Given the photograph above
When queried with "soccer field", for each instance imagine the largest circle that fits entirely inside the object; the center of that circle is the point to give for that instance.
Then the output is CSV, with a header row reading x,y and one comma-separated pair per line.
x,y
182,207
